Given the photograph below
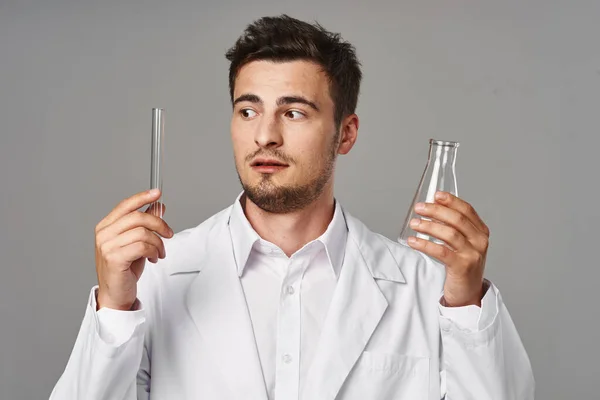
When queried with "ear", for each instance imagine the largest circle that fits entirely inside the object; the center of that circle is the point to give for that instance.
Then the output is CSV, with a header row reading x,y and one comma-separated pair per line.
x,y
349,133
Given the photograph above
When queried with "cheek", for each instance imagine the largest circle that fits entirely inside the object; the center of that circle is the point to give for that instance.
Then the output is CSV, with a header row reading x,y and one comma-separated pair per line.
x,y
314,157
240,130
236,135
242,145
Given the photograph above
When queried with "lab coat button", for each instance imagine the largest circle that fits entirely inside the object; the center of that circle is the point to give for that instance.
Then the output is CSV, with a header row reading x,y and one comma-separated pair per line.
x,y
287,358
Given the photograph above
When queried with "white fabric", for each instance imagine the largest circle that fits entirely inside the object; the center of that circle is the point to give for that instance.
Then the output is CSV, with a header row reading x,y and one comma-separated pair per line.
x,y
116,326
287,297
384,334
472,318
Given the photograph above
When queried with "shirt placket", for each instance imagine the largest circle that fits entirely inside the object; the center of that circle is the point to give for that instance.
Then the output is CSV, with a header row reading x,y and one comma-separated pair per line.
x,y
287,370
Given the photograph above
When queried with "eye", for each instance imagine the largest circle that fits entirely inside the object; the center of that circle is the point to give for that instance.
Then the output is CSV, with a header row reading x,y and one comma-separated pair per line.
x,y
295,115
247,113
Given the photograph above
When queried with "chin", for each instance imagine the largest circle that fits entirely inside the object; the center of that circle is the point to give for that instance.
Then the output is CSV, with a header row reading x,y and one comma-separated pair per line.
x,y
281,198
266,185
256,179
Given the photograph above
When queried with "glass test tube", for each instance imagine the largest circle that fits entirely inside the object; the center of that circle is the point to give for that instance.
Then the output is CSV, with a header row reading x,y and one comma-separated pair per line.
x,y
156,161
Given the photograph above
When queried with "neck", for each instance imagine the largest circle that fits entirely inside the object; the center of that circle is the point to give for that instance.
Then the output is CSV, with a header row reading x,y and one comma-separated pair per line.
x,y
291,231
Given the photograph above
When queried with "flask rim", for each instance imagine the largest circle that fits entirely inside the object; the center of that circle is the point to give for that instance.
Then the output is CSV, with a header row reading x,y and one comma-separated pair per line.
x,y
447,143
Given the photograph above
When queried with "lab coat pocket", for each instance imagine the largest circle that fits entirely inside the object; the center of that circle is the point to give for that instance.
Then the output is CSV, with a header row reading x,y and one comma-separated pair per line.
x,y
384,376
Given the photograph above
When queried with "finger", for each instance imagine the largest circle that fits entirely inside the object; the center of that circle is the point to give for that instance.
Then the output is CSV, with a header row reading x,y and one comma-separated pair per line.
x,y
451,217
139,234
446,233
464,208
438,251
133,220
135,251
128,205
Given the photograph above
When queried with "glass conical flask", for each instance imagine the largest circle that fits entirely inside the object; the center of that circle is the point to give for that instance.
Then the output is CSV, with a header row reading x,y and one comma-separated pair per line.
x,y
439,175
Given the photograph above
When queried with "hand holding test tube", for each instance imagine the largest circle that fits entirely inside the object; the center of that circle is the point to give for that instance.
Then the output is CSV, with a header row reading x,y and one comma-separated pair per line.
x,y
121,255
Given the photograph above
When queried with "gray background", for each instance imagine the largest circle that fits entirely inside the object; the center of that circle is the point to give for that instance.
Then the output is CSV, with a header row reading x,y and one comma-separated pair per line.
x,y
516,82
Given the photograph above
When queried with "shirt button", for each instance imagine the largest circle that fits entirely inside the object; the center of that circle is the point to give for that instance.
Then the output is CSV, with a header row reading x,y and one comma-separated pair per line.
x,y
290,290
287,358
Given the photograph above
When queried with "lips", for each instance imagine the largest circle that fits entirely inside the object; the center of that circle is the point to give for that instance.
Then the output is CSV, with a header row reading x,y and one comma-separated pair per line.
x,y
267,165
263,162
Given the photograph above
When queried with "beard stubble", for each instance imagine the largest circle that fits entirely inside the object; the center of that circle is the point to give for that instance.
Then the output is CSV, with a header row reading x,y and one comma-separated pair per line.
x,y
288,198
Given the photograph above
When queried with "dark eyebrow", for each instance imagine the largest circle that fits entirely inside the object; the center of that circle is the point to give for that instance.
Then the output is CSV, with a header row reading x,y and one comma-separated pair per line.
x,y
296,99
252,98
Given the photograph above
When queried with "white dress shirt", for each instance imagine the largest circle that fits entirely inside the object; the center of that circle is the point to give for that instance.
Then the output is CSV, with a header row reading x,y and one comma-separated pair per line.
x,y
288,299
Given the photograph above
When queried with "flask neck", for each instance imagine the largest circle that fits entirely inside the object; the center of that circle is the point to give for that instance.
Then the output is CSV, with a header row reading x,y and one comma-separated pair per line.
x,y
442,156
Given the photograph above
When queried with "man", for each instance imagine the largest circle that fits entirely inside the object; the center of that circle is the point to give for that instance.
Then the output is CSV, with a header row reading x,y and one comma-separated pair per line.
x,y
284,295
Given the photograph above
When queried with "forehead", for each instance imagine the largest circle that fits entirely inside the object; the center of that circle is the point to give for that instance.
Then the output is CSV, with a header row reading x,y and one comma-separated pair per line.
x,y
269,79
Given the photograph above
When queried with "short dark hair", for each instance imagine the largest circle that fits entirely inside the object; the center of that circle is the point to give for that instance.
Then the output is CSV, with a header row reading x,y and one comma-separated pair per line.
x,y
284,38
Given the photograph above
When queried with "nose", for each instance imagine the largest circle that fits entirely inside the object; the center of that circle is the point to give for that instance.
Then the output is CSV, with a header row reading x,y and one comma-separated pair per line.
x,y
268,134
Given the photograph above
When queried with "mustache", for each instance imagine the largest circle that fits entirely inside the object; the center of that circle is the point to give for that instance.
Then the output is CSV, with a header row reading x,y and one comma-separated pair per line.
x,y
273,153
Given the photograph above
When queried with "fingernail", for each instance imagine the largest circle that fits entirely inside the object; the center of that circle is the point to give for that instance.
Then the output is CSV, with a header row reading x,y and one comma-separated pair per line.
x,y
153,192
441,196
412,240
415,222
420,206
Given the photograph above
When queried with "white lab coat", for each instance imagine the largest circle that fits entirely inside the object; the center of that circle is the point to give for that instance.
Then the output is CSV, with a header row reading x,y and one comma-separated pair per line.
x,y
384,337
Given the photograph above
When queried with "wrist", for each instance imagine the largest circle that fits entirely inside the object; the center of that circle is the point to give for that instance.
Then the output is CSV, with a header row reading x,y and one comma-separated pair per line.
x,y
462,300
105,302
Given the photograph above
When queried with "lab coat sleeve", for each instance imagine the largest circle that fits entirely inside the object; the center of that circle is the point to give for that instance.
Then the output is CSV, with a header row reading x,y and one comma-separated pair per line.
x,y
471,318
483,357
108,355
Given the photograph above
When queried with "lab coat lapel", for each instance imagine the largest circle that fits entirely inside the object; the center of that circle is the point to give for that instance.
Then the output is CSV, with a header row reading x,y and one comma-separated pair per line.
x,y
355,311
217,305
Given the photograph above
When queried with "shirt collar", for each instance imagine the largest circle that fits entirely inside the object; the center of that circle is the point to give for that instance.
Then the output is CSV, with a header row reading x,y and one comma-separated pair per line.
x,y
243,237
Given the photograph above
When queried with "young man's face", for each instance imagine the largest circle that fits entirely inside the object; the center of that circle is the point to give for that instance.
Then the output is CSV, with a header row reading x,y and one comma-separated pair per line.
x,y
284,136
